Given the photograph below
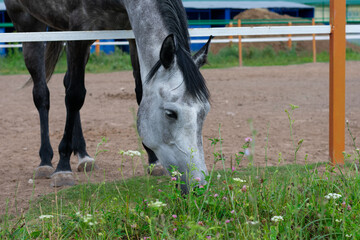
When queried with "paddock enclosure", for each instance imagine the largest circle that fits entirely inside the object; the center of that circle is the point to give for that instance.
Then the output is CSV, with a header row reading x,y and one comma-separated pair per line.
x,y
237,94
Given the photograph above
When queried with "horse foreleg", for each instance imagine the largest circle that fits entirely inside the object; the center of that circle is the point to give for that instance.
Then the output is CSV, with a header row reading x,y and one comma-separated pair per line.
x,y
35,63
34,60
77,53
86,163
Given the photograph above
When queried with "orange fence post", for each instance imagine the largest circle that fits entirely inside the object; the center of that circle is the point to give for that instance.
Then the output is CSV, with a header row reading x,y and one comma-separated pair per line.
x,y
337,81
230,37
314,43
97,48
240,46
289,41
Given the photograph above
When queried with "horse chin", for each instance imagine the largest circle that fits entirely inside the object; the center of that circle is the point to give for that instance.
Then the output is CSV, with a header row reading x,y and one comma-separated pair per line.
x,y
184,163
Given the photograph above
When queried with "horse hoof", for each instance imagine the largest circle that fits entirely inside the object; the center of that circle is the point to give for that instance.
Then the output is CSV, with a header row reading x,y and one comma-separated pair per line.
x,y
157,171
43,172
60,179
87,165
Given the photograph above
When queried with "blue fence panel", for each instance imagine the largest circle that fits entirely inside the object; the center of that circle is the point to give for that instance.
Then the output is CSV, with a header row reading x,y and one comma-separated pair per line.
x,y
196,46
2,50
108,49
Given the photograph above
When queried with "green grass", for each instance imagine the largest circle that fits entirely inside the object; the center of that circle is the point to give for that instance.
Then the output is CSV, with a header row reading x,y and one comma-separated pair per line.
x,y
237,203
227,57
13,63
223,210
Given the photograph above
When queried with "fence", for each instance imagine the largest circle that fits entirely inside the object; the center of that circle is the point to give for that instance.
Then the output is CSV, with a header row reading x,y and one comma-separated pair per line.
x,y
351,29
335,31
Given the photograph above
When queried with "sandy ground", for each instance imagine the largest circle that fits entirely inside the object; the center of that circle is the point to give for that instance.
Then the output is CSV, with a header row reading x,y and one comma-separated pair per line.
x,y
238,94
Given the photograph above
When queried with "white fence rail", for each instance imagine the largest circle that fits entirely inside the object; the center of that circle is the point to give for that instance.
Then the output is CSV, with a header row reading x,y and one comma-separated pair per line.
x,y
225,40
324,31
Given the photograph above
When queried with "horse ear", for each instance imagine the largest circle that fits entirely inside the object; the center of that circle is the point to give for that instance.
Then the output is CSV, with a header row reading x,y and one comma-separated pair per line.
x,y
200,57
167,52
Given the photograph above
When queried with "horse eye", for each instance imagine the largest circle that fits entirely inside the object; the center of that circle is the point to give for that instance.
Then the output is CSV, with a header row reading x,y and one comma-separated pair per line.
x,y
170,114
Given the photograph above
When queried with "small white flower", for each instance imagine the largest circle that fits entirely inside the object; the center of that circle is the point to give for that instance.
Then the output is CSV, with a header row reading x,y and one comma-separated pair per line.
x,y
332,196
252,222
239,180
135,153
176,173
218,176
338,220
87,218
46,216
157,204
277,218
130,153
31,181
348,235
78,214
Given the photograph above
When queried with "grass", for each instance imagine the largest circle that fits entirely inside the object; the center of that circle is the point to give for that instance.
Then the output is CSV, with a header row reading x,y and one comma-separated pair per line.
x,y
228,57
311,201
13,63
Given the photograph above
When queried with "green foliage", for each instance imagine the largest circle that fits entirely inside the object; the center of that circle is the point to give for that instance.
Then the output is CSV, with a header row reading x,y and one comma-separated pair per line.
x,y
153,207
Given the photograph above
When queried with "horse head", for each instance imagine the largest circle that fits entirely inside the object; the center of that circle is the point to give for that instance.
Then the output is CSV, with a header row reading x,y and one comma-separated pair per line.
x,y
172,111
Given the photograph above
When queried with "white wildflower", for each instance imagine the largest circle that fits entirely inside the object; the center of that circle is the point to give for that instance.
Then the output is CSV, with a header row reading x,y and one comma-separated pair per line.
x,y
348,235
277,218
156,204
252,222
78,214
31,181
87,218
239,180
130,153
218,176
176,173
332,196
46,216
338,220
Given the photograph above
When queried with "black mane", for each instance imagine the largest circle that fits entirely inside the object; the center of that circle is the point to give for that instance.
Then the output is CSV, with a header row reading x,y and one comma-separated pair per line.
x,y
174,17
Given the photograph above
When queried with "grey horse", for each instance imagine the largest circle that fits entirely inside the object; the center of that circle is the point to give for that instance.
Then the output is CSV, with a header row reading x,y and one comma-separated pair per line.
x,y
171,92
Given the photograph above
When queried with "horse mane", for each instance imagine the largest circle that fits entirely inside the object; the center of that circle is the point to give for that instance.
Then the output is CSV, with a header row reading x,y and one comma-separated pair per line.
x,y
174,17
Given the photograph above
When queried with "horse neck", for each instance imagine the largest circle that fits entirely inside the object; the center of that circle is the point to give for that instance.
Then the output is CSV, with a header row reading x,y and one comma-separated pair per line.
x,y
149,30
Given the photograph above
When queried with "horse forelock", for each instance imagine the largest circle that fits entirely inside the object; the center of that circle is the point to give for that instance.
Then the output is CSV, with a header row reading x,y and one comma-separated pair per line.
x,y
174,17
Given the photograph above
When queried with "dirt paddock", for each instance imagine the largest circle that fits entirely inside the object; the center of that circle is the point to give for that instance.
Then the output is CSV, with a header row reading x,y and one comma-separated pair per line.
x,y
238,94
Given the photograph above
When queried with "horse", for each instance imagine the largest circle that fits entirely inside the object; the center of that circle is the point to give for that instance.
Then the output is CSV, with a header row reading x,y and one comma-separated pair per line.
x,y
171,92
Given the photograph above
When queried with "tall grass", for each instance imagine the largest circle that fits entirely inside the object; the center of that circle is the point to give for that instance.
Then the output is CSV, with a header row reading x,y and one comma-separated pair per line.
x,y
312,201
